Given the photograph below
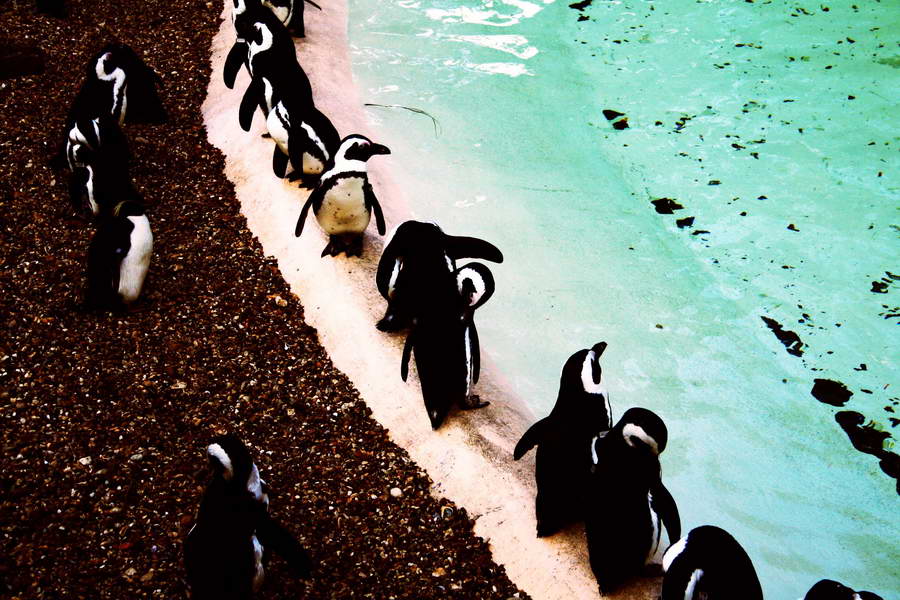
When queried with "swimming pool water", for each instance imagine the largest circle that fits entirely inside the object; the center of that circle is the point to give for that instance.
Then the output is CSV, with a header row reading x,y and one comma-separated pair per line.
x,y
775,126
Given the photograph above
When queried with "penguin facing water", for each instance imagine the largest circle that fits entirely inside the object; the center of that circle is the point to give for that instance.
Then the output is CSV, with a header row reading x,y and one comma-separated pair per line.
x,y
419,258
628,503
343,201
227,549
564,439
119,258
709,564
828,589
445,344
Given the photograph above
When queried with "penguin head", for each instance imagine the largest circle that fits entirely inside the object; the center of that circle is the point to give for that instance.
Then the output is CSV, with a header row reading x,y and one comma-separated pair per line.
x,y
828,589
582,375
234,468
359,147
475,284
643,430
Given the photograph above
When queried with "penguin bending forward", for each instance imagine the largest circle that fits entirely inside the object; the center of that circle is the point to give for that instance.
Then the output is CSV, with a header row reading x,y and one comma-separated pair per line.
x,y
445,343
117,84
119,258
304,139
827,589
419,259
564,440
227,548
709,564
628,503
343,201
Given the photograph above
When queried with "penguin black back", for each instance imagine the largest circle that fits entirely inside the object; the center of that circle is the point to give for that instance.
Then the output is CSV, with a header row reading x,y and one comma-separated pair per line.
x,y
564,438
710,564
417,266
226,549
628,503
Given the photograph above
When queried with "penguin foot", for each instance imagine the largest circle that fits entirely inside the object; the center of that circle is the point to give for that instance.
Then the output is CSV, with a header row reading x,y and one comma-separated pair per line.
x,y
335,246
354,247
390,323
472,402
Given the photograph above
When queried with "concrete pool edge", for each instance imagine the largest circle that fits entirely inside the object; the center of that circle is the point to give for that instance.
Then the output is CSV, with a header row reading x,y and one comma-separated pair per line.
x,y
470,458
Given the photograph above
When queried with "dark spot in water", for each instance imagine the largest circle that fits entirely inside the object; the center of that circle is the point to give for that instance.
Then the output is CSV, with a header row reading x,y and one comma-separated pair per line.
x,y
894,421
830,392
581,5
865,391
738,146
699,232
714,182
792,342
583,18
889,408
792,227
879,287
620,121
685,222
867,438
851,97
861,367
666,206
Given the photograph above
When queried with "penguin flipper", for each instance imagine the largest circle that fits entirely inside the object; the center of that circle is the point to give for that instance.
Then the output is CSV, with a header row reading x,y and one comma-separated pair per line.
x,y
372,203
273,535
233,62
249,103
407,350
530,439
279,162
302,219
475,351
314,4
663,504
469,247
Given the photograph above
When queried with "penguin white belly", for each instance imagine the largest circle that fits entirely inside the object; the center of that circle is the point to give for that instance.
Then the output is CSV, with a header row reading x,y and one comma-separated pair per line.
x,y
655,532
277,128
470,366
343,208
134,266
312,165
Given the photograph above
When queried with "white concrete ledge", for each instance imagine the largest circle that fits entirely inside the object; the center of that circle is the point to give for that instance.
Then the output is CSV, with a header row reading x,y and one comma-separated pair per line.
x,y
470,457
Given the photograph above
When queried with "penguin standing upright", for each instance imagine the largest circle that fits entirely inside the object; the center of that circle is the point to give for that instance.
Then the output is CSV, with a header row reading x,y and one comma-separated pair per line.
x,y
343,201
119,257
226,550
304,139
445,344
828,589
564,440
418,259
709,564
628,503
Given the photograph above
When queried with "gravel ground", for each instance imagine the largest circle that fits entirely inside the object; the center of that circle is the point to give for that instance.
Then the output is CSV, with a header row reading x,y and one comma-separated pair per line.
x,y
104,419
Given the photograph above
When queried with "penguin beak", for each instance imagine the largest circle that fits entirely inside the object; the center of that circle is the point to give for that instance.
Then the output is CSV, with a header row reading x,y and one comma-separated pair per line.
x,y
378,149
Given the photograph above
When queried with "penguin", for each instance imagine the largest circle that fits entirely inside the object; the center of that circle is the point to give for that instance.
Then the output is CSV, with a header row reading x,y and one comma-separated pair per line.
x,y
119,257
97,153
117,84
228,547
444,341
271,60
343,201
304,139
415,261
709,564
244,13
828,589
564,440
627,502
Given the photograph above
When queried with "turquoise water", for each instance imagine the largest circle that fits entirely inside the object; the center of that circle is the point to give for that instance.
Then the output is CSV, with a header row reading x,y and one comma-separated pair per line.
x,y
742,113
